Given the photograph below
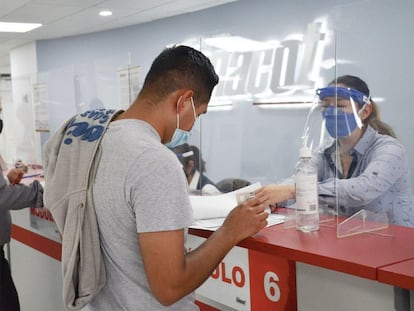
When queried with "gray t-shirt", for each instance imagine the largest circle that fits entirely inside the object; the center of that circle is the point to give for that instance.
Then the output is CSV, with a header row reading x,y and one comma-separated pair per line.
x,y
139,187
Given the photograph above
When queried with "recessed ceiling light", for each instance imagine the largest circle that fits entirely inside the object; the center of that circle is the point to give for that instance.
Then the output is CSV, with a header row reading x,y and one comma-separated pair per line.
x,y
105,13
18,27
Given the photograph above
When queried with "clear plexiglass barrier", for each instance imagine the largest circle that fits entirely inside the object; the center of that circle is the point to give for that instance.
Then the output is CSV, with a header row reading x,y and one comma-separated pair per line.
x,y
318,84
256,126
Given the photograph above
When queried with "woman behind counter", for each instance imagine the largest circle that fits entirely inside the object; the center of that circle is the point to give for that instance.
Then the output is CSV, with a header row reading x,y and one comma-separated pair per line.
x,y
369,167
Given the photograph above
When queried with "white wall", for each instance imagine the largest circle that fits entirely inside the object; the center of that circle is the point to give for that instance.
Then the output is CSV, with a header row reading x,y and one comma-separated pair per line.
x,y
5,69
37,278
321,289
6,141
20,122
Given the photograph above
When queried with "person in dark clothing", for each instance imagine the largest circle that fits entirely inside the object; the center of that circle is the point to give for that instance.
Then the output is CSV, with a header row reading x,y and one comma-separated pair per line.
x,y
194,169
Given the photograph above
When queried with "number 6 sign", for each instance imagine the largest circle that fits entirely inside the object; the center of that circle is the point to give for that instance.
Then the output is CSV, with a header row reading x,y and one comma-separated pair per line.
x,y
249,280
272,282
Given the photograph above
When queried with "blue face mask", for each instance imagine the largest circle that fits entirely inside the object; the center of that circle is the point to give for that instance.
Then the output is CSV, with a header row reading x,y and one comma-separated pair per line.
x,y
180,136
339,123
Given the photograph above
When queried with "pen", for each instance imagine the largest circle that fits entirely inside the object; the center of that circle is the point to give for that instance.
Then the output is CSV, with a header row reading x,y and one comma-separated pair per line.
x,y
31,175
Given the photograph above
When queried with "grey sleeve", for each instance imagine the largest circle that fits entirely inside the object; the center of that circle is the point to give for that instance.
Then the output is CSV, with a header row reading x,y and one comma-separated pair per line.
x,y
159,195
14,197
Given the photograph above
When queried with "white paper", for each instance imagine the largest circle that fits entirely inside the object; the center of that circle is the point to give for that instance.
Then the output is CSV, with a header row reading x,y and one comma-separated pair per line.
x,y
209,212
215,223
217,206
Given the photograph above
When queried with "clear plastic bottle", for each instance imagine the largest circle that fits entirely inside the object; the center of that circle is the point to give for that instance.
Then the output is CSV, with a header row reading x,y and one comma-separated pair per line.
x,y
306,182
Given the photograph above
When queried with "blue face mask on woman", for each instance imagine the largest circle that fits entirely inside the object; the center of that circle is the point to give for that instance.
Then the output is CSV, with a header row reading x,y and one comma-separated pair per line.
x,y
180,136
339,123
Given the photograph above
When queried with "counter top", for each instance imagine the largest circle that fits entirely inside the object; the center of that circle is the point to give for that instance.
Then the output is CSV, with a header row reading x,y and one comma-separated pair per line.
x,y
399,274
360,255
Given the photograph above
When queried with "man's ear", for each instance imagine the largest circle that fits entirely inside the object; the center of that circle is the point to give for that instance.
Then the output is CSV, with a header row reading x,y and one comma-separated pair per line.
x,y
185,97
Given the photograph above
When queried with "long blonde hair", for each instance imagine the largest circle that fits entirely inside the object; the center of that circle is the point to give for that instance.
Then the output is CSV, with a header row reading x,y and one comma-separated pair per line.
x,y
376,123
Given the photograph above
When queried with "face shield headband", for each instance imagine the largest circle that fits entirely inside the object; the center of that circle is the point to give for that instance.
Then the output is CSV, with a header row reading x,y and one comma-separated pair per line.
x,y
343,92
339,123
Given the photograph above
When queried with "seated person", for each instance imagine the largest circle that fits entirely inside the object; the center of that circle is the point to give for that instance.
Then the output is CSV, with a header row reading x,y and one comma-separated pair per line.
x,y
369,167
194,169
232,184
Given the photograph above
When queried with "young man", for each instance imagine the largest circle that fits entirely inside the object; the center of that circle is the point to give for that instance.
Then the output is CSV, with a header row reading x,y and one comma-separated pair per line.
x,y
141,198
140,195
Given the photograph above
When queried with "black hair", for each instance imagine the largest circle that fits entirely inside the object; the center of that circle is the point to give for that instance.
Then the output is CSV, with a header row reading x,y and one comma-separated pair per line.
x,y
182,153
180,67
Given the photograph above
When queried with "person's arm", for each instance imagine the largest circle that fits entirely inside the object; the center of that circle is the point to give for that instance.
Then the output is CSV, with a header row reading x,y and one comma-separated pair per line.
x,y
173,274
14,197
276,193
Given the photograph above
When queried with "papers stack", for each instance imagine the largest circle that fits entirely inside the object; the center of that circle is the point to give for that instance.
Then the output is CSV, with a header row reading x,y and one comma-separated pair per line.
x,y
209,211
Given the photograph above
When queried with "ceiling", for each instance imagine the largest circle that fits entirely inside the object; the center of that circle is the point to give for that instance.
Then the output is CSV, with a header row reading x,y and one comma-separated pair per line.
x,y
61,18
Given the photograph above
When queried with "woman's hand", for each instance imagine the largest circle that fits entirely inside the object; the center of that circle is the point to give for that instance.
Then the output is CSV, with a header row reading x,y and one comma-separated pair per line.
x,y
274,193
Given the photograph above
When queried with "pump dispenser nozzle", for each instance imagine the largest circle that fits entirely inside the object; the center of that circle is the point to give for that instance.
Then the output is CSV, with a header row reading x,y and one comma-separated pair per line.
x,y
305,152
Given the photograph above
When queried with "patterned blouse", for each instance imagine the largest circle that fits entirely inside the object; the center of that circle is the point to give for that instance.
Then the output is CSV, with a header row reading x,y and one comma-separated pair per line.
x,y
378,179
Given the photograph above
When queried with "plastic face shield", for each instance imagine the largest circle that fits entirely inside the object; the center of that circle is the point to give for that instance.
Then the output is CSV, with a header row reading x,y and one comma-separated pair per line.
x,y
340,109
333,115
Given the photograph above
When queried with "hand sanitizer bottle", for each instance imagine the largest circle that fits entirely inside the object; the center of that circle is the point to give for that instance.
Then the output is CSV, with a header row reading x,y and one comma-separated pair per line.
x,y
306,182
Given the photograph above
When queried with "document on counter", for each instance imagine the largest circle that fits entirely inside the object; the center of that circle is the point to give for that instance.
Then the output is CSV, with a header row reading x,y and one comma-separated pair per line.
x,y
210,211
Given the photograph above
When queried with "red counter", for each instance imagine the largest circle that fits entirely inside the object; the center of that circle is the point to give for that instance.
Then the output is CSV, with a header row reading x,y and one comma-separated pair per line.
x,y
380,258
400,274
361,255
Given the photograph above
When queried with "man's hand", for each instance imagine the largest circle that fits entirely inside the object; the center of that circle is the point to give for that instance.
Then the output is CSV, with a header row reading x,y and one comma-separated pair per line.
x,y
246,219
172,274
15,176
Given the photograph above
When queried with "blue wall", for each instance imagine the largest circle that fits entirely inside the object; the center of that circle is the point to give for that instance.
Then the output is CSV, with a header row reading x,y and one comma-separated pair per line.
x,y
368,38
